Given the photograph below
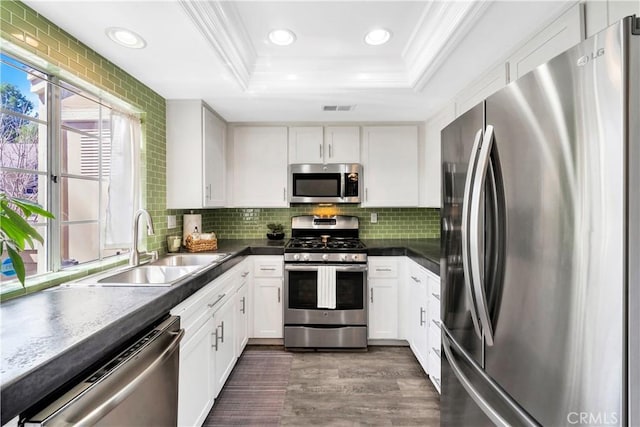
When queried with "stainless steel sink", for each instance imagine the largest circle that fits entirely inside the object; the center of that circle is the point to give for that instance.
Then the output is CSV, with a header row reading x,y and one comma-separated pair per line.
x,y
149,275
190,259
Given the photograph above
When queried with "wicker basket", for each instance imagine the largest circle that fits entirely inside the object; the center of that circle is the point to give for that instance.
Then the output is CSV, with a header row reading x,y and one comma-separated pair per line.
x,y
200,245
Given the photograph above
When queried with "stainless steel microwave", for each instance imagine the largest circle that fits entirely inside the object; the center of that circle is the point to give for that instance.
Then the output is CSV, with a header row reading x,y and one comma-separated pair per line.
x,y
330,183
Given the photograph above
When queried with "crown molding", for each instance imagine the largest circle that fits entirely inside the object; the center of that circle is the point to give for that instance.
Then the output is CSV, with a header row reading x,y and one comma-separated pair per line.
x,y
221,26
440,29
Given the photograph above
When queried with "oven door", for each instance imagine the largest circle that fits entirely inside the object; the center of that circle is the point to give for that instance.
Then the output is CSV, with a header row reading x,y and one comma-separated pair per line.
x,y
301,296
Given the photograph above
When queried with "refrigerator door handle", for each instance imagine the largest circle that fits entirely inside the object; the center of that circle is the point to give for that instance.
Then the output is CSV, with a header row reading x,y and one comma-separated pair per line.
x,y
524,418
476,235
464,230
468,386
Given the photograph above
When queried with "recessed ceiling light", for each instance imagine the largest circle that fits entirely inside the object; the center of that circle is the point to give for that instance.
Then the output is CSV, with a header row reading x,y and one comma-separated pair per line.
x,y
126,38
282,37
377,37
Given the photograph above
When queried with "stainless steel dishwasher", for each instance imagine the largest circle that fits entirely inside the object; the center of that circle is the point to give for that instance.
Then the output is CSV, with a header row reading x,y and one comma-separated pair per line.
x,y
139,387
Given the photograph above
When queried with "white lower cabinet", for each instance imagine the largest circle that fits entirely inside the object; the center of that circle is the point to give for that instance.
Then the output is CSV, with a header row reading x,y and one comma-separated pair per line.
x,y
224,343
418,332
214,337
267,297
195,387
435,334
242,318
383,297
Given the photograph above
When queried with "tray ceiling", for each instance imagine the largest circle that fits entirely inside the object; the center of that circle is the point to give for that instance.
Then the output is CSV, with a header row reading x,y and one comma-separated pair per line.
x,y
218,51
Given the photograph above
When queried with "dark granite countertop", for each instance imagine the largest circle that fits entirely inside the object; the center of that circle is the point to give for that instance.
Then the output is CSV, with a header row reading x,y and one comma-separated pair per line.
x,y
425,252
52,337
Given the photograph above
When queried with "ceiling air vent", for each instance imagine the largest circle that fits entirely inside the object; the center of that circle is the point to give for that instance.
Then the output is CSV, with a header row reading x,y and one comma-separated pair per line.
x,y
338,107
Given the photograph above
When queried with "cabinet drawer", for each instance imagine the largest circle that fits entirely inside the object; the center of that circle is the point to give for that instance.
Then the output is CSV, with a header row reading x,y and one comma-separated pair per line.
x,y
434,284
434,307
434,334
383,267
434,370
267,267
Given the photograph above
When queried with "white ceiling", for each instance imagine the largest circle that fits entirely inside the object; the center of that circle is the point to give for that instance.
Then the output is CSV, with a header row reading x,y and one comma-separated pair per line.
x,y
217,51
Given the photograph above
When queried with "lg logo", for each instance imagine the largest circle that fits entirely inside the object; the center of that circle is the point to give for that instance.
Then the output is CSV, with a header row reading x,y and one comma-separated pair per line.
x,y
593,418
584,60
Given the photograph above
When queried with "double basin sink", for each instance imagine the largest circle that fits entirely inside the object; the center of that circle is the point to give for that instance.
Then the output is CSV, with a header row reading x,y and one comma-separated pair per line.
x,y
163,272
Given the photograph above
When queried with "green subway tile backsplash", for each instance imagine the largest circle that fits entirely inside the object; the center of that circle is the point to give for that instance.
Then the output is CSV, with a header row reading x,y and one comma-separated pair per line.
x,y
396,223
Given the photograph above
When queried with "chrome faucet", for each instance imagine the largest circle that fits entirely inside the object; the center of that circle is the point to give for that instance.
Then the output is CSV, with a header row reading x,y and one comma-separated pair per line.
x,y
134,258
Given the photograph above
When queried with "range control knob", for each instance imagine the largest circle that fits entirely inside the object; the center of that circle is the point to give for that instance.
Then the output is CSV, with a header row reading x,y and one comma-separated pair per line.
x,y
354,257
296,257
343,257
325,257
305,257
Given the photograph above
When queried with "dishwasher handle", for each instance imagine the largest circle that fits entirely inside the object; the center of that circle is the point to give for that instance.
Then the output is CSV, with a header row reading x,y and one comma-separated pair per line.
x,y
95,415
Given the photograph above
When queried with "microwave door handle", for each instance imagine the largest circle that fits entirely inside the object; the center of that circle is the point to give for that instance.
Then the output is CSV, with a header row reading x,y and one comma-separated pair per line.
x,y
343,185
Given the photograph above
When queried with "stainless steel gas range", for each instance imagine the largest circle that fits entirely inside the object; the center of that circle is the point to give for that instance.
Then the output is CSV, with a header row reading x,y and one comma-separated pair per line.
x,y
325,285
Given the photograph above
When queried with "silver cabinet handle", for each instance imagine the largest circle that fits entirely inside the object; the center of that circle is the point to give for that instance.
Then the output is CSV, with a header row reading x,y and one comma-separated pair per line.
x,y
320,151
284,194
245,274
98,413
422,311
475,235
464,231
436,351
415,279
222,331
267,269
216,301
278,294
437,381
214,335
366,194
371,296
330,150
243,305
435,322
383,269
436,296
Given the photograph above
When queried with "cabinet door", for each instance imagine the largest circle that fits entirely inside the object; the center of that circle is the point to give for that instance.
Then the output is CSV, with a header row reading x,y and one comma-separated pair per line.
x,y
213,160
242,319
184,154
305,145
267,308
383,308
419,316
260,166
224,346
195,384
342,144
431,158
390,166
562,34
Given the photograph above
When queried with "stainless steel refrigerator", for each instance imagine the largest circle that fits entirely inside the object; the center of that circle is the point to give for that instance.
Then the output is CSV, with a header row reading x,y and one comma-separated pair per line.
x,y
541,245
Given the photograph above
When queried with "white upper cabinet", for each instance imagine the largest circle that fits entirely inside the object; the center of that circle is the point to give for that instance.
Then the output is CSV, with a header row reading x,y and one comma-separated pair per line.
x,y
306,144
600,14
562,34
342,144
333,144
430,157
390,166
195,156
259,166
491,82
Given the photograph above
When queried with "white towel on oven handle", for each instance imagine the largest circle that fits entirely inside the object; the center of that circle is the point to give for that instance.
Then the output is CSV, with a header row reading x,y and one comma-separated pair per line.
x,y
326,287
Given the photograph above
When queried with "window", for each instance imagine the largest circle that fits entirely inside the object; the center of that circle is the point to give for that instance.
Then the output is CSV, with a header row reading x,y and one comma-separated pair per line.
x,y
58,148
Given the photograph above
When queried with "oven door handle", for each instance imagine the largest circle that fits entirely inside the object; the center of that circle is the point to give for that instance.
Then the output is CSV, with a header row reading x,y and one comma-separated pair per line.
x,y
314,267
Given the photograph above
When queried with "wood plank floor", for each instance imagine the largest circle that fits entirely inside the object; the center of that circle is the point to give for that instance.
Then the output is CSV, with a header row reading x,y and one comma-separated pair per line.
x,y
384,386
